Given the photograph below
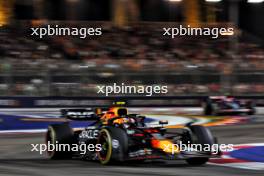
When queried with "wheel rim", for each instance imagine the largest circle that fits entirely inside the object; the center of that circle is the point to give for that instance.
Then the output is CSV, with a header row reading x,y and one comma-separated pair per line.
x,y
50,137
104,140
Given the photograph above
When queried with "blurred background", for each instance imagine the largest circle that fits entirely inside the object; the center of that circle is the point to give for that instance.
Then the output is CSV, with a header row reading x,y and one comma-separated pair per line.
x,y
132,48
40,76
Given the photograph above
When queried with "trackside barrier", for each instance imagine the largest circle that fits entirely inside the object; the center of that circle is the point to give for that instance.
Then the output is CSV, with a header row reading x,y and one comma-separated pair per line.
x,y
132,101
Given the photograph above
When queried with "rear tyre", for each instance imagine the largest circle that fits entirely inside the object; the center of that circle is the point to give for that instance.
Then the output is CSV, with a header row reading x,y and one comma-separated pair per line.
x,y
252,108
252,112
208,107
59,134
201,135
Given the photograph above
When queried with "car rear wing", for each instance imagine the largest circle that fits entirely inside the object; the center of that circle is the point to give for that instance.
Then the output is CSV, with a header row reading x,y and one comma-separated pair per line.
x,y
79,114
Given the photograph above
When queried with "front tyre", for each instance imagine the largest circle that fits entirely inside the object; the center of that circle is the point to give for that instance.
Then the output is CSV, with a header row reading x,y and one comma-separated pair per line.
x,y
197,161
104,139
114,145
201,135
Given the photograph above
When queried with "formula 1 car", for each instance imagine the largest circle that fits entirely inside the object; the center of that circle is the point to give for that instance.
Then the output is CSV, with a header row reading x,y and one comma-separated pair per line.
x,y
223,105
125,137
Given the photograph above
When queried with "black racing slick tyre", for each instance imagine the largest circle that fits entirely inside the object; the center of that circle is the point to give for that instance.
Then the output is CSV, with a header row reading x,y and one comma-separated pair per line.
x,y
197,161
201,135
208,108
251,106
56,135
114,145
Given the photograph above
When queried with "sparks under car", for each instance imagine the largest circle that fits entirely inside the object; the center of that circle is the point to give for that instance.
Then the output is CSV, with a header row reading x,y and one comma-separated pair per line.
x,y
125,137
222,105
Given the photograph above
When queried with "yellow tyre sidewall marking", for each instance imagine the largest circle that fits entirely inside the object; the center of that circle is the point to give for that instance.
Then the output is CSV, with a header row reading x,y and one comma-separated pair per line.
x,y
53,140
109,153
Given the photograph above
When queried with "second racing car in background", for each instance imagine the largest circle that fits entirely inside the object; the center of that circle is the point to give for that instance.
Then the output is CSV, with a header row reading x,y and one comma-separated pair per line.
x,y
225,105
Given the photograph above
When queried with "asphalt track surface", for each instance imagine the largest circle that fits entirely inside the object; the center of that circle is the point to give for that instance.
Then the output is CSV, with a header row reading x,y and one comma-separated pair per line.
x,y
17,159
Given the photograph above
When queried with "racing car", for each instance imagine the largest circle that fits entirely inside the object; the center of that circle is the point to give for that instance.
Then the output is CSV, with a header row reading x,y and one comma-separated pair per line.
x,y
224,105
125,137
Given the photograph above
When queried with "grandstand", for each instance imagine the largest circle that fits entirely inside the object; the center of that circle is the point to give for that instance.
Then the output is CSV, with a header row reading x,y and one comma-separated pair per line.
x,y
130,50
